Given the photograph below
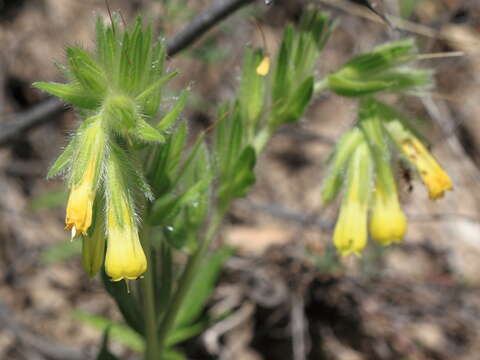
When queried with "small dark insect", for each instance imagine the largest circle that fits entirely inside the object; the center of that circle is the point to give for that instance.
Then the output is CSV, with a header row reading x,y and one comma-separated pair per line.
x,y
407,177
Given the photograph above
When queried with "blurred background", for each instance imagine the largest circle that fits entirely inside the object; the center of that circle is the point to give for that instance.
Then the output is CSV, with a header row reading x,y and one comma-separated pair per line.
x,y
289,294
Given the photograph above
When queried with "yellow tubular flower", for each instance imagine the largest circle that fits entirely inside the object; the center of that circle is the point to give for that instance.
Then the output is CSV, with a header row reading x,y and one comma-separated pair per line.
x,y
82,194
432,174
350,235
125,259
80,202
388,223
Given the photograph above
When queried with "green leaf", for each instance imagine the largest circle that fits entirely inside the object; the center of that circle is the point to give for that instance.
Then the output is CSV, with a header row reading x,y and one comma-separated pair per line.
x,y
119,332
147,132
252,89
62,161
242,178
202,287
297,103
184,333
150,97
281,84
71,93
127,304
165,160
169,119
169,205
353,88
86,71
382,58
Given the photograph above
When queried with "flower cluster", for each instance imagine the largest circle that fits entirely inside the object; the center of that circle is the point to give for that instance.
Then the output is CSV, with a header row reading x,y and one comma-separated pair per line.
x,y
362,164
117,90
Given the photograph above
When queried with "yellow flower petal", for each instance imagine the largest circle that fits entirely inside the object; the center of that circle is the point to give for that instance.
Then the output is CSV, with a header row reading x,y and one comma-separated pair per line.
x,y
125,259
80,202
388,223
350,235
432,174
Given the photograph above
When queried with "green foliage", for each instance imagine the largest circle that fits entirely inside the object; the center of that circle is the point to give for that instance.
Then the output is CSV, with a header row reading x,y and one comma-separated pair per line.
x,y
202,287
381,70
252,89
292,87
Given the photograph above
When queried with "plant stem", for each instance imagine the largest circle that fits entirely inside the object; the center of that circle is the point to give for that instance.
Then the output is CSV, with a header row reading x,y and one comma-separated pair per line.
x,y
186,281
148,297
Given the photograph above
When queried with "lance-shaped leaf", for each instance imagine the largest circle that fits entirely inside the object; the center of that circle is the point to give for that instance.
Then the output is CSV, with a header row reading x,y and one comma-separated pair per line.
x,y
71,93
169,119
63,160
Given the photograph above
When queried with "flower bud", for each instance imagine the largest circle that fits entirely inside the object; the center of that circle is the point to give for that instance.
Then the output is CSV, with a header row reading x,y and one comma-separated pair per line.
x,y
93,247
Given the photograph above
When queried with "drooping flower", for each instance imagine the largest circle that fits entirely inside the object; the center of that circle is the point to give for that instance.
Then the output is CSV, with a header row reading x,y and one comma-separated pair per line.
x,y
80,203
433,176
388,223
125,259
350,235
78,216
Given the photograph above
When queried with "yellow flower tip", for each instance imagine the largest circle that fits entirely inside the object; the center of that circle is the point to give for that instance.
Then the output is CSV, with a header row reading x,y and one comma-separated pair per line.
x,y
79,209
433,176
264,67
80,202
437,183
350,235
125,259
388,223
